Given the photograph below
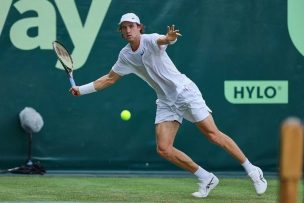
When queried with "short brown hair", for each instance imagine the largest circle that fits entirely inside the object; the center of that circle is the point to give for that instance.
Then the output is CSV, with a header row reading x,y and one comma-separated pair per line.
x,y
141,30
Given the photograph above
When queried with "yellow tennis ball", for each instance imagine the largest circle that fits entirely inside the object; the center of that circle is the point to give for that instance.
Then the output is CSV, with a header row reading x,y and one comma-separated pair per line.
x,y
125,115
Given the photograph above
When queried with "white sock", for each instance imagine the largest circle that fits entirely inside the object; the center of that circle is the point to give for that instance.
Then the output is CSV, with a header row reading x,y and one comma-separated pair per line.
x,y
202,173
248,166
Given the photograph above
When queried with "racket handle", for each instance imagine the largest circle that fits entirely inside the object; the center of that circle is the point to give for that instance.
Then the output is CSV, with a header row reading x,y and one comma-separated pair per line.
x,y
72,81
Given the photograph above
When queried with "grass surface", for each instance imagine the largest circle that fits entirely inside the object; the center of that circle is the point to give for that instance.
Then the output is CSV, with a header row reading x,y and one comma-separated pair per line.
x,y
139,189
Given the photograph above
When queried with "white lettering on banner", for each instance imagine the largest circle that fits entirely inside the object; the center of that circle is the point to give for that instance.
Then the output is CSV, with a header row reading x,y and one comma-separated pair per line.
x,y
82,35
46,32
4,8
295,22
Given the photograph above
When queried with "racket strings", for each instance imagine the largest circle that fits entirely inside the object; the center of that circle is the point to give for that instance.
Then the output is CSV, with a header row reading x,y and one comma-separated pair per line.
x,y
65,59
64,56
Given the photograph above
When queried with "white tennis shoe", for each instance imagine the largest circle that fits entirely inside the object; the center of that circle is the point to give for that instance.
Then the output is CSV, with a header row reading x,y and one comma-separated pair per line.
x,y
259,182
205,186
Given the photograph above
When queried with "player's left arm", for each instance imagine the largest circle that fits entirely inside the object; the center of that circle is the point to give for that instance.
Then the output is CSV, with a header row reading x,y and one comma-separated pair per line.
x,y
170,37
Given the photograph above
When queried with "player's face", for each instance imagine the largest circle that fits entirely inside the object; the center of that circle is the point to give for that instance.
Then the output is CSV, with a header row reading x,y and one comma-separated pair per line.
x,y
130,31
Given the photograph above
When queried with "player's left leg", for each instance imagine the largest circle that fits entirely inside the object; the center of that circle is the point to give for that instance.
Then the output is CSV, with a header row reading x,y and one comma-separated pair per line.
x,y
209,129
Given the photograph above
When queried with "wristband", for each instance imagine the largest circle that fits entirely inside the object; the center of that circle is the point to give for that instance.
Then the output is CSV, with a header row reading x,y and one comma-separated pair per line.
x,y
172,42
87,89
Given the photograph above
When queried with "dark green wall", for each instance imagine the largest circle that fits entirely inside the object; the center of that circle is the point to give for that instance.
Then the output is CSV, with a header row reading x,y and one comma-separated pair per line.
x,y
222,41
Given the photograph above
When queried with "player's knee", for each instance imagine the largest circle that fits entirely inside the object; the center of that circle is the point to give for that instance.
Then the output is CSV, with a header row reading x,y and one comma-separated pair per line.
x,y
164,151
215,137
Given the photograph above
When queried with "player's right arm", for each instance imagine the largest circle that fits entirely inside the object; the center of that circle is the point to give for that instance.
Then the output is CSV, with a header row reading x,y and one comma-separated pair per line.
x,y
99,84
106,80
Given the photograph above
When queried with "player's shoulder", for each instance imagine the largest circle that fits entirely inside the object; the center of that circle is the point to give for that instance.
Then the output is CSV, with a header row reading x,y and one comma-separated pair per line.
x,y
125,49
150,36
150,39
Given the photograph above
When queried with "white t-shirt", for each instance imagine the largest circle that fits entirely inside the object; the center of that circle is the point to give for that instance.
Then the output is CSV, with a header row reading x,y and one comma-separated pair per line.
x,y
152,64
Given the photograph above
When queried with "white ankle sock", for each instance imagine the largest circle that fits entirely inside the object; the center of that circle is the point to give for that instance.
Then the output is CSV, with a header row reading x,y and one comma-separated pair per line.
x,y
202,173
248,166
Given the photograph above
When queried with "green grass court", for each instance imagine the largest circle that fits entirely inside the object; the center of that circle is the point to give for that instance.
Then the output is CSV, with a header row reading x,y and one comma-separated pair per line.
x,y
127,189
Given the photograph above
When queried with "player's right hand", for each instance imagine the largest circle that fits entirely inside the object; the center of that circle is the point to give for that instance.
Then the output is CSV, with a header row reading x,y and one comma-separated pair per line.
x,y
75,91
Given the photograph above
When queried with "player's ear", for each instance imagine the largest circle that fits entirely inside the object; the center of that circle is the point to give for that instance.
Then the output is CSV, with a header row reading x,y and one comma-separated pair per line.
x,y
142,28
119,30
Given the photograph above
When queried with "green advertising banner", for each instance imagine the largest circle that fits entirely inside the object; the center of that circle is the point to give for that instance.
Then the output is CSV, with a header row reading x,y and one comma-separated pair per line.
x,y
245,56
256,92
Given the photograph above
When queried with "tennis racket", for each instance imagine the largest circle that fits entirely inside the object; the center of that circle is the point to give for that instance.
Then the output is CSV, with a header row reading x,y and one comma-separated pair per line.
x,y
65,59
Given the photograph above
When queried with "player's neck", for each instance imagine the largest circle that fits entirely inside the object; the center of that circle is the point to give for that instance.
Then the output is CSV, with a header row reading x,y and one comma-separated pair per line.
x,y
135,44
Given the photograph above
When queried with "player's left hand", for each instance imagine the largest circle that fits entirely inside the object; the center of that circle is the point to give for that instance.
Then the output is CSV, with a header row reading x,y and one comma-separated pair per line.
x,y
172,33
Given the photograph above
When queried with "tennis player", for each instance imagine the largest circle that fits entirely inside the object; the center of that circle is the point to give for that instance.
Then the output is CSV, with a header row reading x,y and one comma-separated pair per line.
x,y
178,98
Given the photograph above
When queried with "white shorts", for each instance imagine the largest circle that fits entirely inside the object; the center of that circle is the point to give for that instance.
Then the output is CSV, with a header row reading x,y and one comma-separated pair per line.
x,y
189,105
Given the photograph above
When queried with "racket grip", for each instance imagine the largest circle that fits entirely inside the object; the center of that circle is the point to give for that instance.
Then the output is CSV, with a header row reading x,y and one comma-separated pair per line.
x,y
72,81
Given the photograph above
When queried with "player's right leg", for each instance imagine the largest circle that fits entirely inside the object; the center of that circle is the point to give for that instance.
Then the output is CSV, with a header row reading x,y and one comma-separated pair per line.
x,y
206,185
167,124
165,135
